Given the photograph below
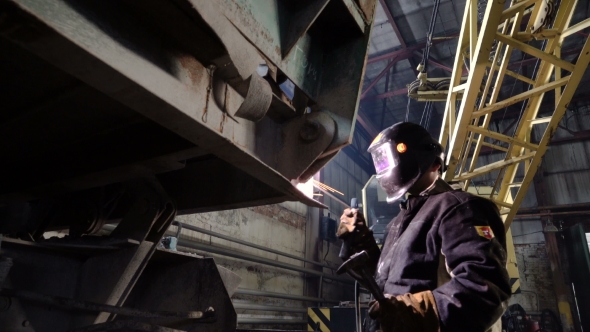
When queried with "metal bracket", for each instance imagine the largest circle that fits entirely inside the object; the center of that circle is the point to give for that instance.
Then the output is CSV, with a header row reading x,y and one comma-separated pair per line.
x,y
306,139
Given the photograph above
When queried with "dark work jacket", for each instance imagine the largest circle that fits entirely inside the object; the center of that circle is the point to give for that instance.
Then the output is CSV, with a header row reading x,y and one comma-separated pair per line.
x,y
449,230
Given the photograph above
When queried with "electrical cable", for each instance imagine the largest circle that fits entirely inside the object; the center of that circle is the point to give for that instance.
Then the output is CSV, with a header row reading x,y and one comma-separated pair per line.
x,y
429,116
424,112
357,306
407,110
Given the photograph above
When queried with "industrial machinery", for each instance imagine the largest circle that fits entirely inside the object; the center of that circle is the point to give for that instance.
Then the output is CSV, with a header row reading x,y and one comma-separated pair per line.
x,y
126,113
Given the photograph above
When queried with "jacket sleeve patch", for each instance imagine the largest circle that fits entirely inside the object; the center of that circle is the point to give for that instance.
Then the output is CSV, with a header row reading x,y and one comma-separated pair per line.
x,y
485,231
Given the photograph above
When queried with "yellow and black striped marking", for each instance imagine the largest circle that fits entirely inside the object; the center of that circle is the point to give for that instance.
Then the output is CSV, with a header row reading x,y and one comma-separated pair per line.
x,y
515,285
318,319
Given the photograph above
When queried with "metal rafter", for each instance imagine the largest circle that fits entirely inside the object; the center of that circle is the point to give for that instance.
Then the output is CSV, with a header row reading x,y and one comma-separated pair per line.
x,y
387,94
381,74
366,125
398,34
405,53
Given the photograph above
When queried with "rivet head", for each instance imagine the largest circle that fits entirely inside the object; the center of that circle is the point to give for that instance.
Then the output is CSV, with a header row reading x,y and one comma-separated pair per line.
x,y
310,131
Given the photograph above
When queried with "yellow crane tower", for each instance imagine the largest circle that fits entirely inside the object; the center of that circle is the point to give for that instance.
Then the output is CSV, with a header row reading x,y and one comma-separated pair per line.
x,y
471,101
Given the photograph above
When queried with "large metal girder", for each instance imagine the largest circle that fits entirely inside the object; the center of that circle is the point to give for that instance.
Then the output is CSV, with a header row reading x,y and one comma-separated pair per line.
x,y
58,289
155,64
99,282
488,50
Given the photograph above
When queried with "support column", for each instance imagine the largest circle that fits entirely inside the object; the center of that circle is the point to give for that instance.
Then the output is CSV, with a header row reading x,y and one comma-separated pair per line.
x,y
559,286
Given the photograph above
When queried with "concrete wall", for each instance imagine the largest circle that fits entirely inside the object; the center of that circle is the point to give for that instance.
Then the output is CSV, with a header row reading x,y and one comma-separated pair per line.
x,y
283,227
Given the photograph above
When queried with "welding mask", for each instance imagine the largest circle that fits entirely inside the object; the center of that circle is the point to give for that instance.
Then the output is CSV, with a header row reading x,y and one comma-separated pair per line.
x,y
401,154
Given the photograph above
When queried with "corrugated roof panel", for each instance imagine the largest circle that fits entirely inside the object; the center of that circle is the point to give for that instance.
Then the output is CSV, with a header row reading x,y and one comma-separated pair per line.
x,y
414,26
373,71
530,198
383,38
578,118
527,231
567,157
445,53
567,188
405,7
448,18
380,16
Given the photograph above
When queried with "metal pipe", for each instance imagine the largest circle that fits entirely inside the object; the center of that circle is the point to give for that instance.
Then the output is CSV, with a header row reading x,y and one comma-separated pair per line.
x,y
252,258
93,306
249,244
247,306
528,215
243,291
552,207
270,321
257,259
178,225
320,290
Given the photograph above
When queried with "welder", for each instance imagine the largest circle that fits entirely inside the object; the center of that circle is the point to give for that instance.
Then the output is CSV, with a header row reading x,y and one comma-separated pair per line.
x,y
442,266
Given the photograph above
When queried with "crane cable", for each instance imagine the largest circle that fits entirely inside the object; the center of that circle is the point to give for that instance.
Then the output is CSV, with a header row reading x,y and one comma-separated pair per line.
x,y
426,52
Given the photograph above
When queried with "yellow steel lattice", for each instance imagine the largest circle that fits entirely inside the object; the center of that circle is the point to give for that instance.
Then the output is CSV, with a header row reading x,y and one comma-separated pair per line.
x,y
464,129
488,49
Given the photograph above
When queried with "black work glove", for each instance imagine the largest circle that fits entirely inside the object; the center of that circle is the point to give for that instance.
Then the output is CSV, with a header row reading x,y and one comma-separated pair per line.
x,y
406,313
356,237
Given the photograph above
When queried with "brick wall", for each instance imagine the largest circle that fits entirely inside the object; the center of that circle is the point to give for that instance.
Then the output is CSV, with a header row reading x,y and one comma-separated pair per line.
x,y
535,278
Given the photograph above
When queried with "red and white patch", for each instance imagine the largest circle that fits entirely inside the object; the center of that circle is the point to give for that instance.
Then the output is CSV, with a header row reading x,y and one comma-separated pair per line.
x,y
485,231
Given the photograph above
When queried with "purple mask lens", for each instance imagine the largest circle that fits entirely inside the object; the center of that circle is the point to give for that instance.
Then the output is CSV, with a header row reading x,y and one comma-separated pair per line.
x,y
383,158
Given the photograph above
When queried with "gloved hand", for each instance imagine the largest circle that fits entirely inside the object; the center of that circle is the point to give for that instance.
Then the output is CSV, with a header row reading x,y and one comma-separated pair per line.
x,y
356,237
409,312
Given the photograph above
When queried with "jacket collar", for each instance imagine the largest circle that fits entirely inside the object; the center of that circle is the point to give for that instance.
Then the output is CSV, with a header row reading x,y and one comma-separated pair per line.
x,y
439,186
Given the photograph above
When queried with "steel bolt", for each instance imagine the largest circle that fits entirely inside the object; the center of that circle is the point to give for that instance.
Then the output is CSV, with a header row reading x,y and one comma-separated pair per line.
x,y
310,131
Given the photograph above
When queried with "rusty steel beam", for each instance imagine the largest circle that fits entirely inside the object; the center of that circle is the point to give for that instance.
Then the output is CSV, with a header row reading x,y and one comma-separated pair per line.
x,y
561,208
381,74
405,53
384,102
396,56
440,65
399,54
367,125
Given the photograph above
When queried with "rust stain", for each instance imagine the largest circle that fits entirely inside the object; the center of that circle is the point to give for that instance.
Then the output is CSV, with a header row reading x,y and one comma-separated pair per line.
x,y
243,19
193,67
